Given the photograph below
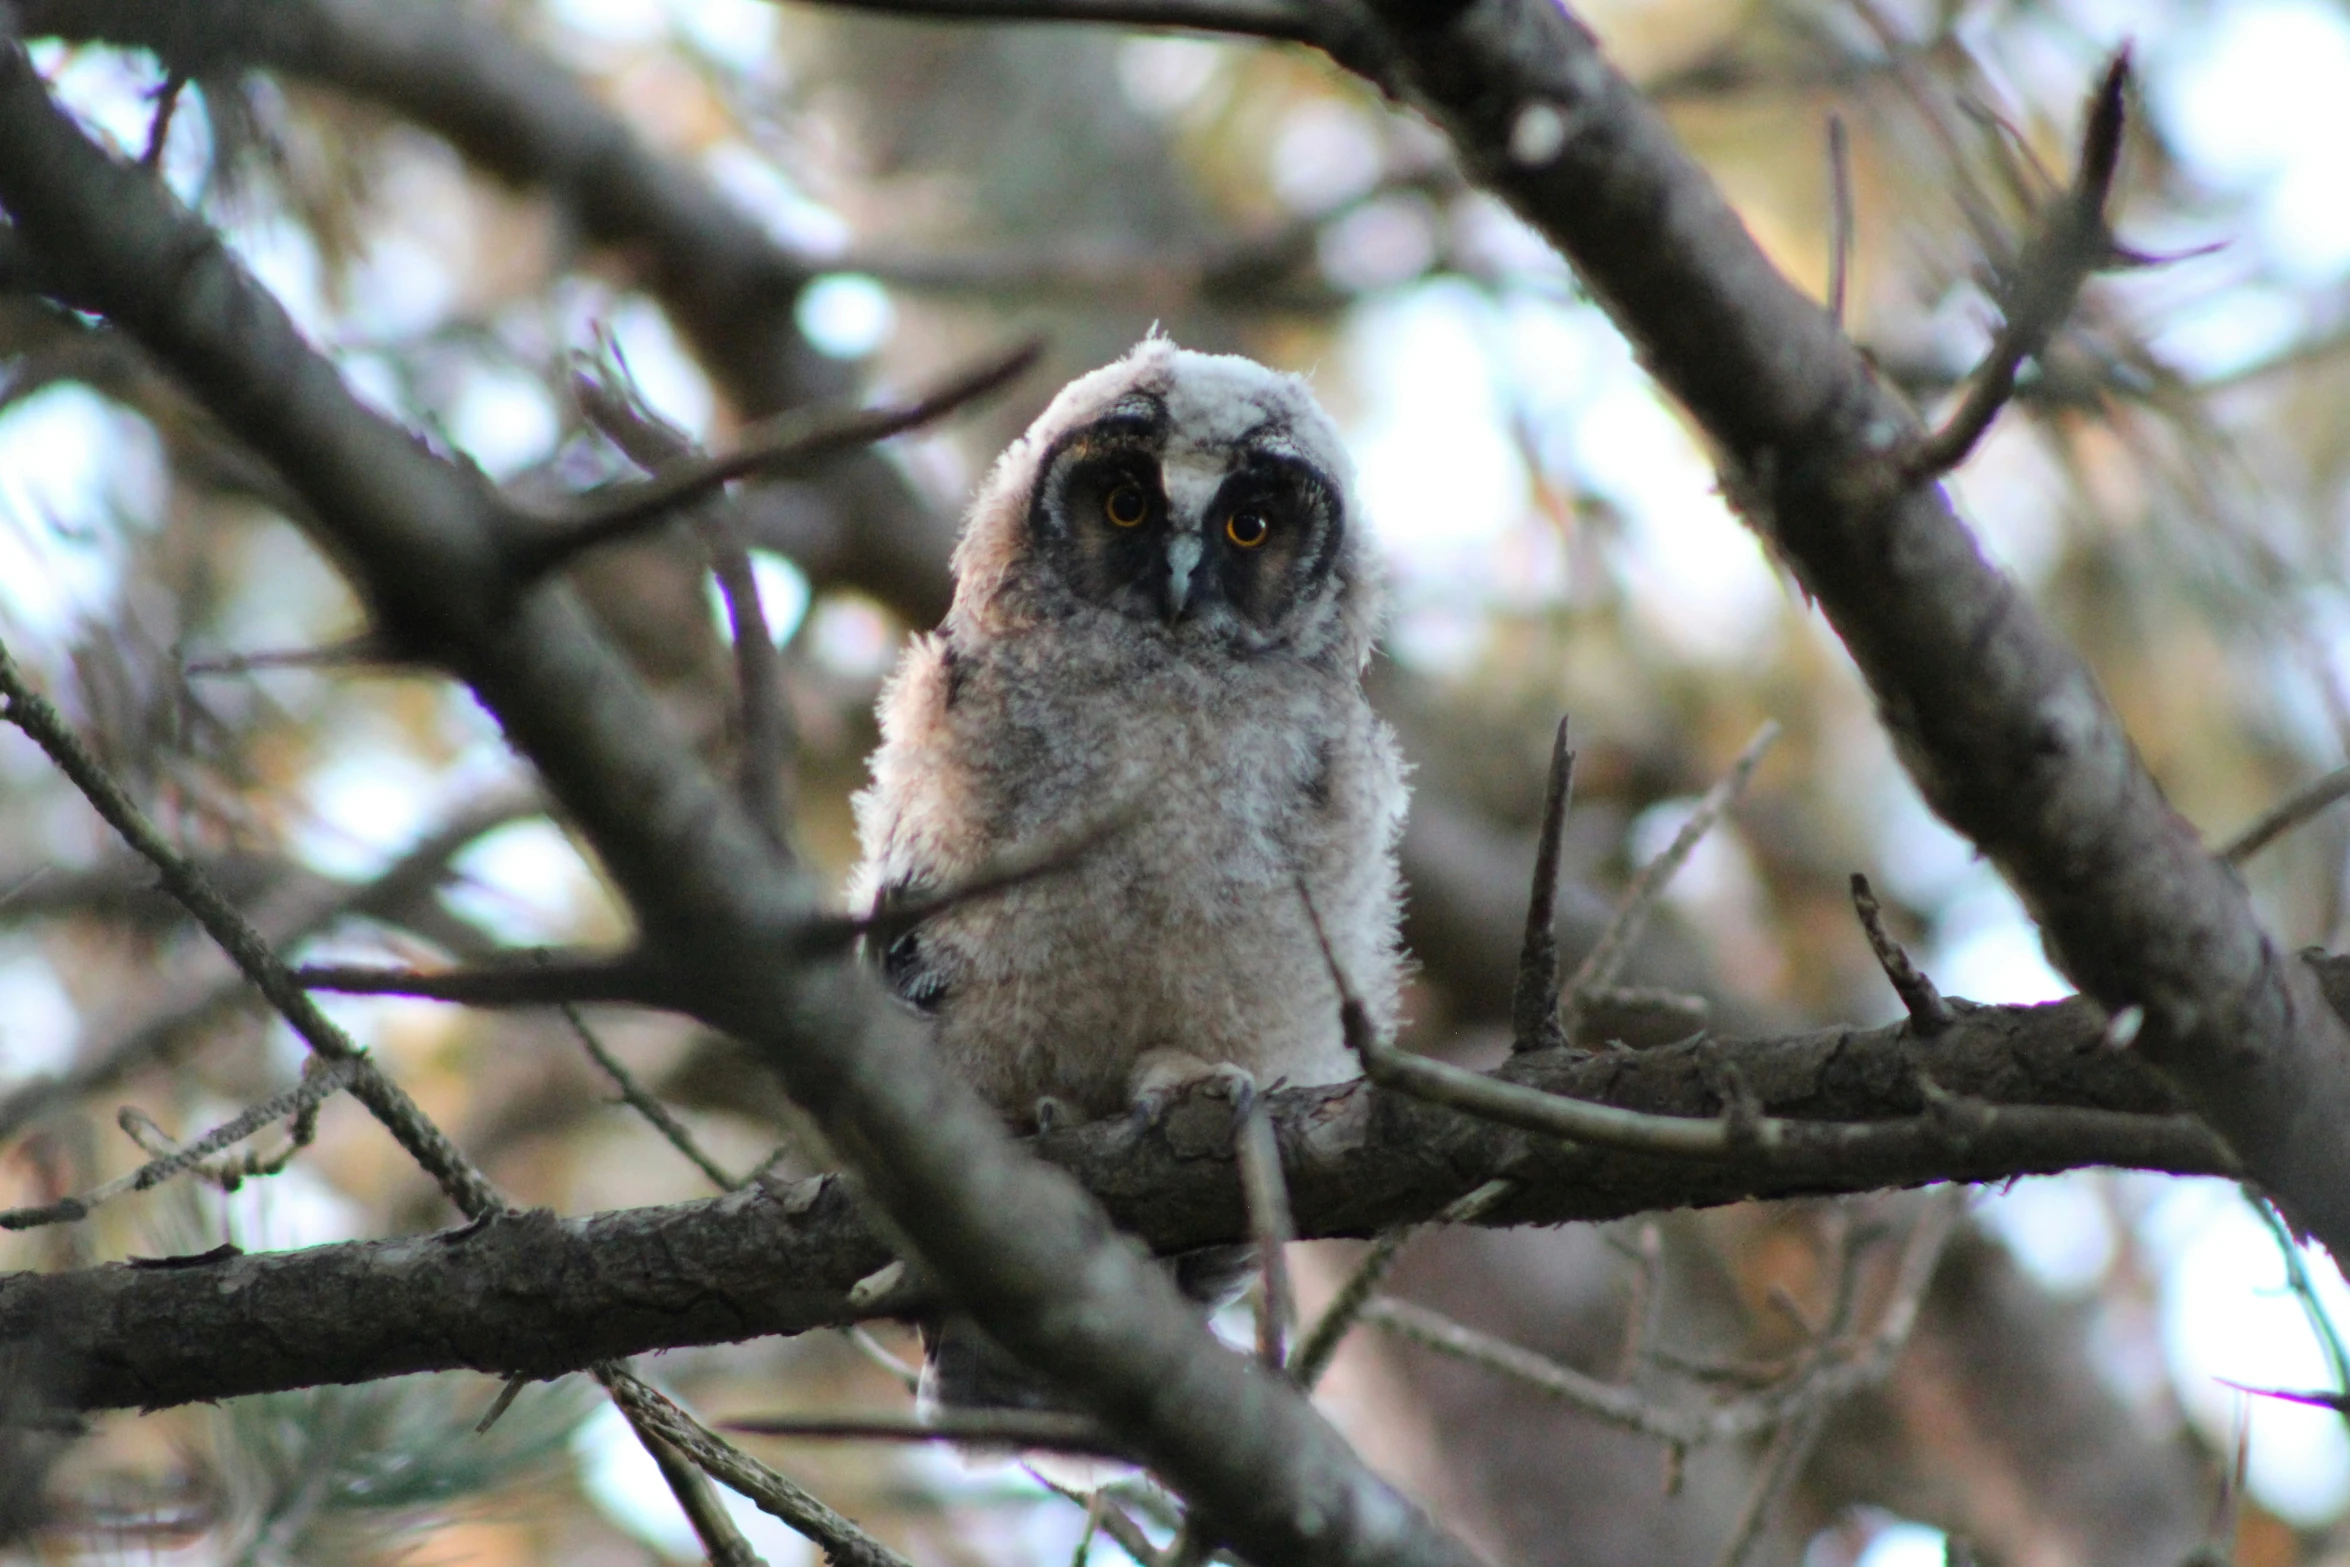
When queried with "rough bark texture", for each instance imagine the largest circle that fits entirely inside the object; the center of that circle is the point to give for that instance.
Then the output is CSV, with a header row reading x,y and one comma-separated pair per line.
x,y
541,1295
1996,718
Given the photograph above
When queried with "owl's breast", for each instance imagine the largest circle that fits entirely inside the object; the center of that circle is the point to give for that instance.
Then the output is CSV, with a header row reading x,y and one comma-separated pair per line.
x,y
1185,931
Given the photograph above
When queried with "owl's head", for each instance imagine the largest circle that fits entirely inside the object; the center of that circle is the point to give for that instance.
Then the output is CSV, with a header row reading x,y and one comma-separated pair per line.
x,y
1200,498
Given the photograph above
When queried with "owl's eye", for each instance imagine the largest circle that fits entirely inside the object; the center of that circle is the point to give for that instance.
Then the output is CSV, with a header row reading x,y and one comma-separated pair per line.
x,y
1247,529
1126,506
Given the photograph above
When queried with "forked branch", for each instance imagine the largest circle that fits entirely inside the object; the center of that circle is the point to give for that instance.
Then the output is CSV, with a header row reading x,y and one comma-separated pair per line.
x,y
2038,292
788,443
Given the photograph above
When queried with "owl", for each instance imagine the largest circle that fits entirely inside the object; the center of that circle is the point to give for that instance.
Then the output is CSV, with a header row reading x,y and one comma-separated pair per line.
x,y
1164,601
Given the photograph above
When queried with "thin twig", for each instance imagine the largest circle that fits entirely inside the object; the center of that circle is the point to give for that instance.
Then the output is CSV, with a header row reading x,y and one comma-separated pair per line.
x,y
1534,1003
1102,1509
1606,1401
167,102
637,1098
1600,965
1949,1121
723,1542
1320,1345
877,1352
508,1392
1929,1014
324,1079
1789,1446
426,1143
1840,212
844,1544
787,443
2039,290
1646,1300
1031,1430
2321,1321
194,995
1269,1226
2297,808
533,982
612,403
1839,1368
352,653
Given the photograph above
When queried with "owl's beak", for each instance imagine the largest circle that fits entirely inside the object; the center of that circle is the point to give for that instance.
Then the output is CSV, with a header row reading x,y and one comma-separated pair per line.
x,y
1183,553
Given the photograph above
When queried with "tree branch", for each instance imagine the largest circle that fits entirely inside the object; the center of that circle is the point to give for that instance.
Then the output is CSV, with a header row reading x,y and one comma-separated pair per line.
x,y
1019,1246
2040,289
785,443
424,1142
539,1295
522,119
1995,717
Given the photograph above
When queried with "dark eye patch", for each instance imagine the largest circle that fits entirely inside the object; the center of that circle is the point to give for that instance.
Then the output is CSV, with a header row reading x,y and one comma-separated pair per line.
x,y
1301,530
1073,525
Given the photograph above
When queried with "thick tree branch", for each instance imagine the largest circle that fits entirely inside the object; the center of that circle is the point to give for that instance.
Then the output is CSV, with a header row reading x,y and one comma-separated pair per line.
x,y
539,1295
1997,719
1018,1245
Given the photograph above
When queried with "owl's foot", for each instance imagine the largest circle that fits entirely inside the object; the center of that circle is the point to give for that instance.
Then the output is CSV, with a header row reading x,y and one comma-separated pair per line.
x,y
1162,1076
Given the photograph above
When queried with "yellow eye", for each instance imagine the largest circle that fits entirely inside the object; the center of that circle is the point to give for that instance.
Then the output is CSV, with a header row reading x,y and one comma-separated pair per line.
x,y
1247,529
1126,506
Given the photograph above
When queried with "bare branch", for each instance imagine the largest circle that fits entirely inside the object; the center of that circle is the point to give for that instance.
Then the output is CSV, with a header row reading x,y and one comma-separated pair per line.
x,y
1320,1345
2038,292
844,1544
1269,1224
1999,722
1031,1430
323,1079
2302,806
1929,1014
390,1104
1951,1123
1840,210
721,1540
1606,958
637,1098
1534,1002
763,773
533,1294
787,443
528,982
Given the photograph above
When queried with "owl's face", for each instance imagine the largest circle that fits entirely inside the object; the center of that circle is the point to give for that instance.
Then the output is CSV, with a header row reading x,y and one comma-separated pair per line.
x,y
1201,500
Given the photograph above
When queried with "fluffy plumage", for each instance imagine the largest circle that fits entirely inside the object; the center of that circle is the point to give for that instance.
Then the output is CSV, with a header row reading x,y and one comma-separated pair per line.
x,y
1164,600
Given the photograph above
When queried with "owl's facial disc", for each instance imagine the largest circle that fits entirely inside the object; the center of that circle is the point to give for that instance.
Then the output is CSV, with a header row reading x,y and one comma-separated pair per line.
x,y
1221,541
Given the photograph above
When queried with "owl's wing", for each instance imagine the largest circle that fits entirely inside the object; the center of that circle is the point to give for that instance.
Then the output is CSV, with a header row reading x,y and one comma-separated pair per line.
x,y
912,972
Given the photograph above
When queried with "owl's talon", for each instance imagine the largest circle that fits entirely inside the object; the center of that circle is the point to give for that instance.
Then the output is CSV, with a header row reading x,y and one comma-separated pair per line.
x,y
1053,1115
1163,1076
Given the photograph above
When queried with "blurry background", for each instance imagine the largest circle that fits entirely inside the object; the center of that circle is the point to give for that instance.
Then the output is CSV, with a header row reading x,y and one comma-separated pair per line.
x,y
893,197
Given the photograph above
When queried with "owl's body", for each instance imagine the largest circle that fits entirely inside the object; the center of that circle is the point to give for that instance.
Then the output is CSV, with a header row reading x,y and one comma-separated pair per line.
x,y
1163,605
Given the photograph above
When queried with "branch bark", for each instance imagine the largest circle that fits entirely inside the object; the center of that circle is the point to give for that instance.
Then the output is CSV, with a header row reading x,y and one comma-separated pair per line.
x,y
1996,718
539,1295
